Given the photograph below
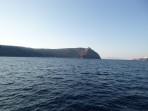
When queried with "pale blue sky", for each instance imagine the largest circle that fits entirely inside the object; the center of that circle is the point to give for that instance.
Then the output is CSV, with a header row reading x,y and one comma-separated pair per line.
x,y
113,28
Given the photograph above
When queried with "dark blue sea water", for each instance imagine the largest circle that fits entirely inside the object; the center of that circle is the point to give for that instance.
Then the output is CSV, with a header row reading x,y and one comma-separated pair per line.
x,y
55,84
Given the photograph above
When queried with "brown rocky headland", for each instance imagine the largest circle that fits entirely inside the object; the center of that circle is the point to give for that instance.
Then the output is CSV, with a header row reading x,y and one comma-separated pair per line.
x,y
15,51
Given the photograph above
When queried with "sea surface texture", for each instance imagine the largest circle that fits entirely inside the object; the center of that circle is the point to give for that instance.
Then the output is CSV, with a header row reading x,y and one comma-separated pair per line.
x,y
56,84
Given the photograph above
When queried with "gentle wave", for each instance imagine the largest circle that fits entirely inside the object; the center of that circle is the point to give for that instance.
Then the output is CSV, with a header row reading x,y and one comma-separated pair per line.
x,y
54,84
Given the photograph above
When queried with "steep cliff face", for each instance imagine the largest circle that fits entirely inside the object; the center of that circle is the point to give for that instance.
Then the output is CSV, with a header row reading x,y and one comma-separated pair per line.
x,y
89,53
15,51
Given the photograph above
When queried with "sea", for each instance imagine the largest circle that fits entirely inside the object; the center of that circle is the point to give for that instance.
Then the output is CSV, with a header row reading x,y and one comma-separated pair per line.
x,y
70,84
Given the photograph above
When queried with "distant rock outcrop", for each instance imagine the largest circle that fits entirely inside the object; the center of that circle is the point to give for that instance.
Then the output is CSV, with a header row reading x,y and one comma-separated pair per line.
x,y
142,59
15,51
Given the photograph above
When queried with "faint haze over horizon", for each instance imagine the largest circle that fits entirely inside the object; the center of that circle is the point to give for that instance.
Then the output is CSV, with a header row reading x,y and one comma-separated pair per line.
x,y
113,28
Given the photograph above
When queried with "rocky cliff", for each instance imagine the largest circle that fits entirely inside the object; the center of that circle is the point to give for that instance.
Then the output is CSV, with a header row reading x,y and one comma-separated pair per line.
x,y
14,51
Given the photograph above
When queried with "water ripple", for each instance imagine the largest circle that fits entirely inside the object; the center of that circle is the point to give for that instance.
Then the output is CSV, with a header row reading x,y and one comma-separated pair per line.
x,y
54,84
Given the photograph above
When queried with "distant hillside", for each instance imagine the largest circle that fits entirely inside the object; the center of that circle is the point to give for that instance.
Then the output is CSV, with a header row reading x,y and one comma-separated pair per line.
x,y
15,51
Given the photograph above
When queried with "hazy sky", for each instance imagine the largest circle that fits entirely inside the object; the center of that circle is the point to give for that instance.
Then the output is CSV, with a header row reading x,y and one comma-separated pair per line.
x,y
113,28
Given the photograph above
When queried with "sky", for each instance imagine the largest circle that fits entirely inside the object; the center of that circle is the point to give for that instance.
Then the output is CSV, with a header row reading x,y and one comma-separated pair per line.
x,y
113,28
